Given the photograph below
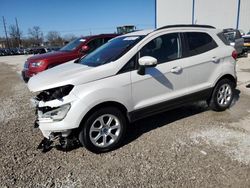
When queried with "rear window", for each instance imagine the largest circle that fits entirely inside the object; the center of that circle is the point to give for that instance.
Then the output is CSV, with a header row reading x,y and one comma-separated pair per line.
x,y
199,43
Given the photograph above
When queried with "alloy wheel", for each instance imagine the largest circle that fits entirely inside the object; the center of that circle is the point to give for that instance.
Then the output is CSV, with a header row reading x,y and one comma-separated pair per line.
x,y
224,95
105,130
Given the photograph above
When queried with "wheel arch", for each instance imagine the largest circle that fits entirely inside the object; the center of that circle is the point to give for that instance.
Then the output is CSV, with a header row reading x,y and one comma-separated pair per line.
x,y
115,104
229,77
213,99
226,76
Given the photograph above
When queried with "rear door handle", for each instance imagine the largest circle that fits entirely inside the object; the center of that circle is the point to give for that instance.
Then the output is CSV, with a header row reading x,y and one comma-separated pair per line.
x,y
215,60
176,69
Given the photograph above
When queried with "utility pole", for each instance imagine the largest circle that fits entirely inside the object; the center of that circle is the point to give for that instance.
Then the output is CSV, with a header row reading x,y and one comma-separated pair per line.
x,y
7,40
155,14
18,31
238,15
193,13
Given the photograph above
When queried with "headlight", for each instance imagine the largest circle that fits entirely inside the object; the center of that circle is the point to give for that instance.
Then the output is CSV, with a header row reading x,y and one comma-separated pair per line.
x,y
56,114
37,64
54,93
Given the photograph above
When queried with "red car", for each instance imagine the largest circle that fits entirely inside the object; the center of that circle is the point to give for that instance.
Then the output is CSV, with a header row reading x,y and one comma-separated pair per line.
x,y
73,50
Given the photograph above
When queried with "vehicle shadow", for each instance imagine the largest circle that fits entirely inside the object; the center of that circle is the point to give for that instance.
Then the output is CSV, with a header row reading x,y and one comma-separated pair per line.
x,y
137,129
236,97
161,78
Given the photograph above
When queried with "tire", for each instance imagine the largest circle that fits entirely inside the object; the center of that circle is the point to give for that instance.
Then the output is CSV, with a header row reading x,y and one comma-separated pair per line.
x,y
222,95
103,130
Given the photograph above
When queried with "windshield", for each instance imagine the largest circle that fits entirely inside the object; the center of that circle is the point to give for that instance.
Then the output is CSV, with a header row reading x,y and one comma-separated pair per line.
x,y
110,51
73,45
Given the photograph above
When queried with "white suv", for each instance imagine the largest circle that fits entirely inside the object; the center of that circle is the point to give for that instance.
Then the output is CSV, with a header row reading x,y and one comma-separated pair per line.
x,y
131,77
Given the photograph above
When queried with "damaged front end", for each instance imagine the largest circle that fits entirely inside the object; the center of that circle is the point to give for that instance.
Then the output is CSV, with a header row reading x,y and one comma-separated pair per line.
x,y
49,114
54,93
51,111
52,106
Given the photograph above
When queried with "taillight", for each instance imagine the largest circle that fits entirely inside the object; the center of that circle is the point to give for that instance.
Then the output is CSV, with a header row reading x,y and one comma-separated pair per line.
x,y
234,54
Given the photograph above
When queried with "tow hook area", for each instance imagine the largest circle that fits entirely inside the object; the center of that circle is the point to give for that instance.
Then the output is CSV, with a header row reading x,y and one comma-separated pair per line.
x,y
45,145
60,143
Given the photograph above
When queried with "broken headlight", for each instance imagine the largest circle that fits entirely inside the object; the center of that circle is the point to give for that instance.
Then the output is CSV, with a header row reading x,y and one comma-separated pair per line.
x,y
55,114
54,93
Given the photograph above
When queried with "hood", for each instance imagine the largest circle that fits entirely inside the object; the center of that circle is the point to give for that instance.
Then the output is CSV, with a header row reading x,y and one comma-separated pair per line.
x,y
47,55
69,73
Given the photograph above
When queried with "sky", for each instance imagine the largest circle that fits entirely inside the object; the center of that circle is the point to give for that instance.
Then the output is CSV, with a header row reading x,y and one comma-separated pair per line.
x,y
78,17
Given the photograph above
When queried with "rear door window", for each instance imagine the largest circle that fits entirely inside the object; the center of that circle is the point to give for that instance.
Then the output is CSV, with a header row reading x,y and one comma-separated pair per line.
x,y
198,43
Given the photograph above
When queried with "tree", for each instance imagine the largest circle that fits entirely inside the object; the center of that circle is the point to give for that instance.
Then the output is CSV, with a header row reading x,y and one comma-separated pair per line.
x,y
54,38
36,35
69,37
15,36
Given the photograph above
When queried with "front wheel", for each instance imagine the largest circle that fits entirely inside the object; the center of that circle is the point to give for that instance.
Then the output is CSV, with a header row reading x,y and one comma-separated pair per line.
x,y
222,95
103,130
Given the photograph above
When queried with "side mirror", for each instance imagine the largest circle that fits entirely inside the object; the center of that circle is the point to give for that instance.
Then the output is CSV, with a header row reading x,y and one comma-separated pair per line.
x,y
146,61
84,48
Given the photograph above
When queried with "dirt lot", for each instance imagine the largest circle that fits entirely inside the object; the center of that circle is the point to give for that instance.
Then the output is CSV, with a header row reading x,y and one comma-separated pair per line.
x,y
187,147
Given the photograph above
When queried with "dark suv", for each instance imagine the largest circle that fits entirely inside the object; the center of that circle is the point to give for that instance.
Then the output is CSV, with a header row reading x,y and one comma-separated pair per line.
x,y
73,50
235,39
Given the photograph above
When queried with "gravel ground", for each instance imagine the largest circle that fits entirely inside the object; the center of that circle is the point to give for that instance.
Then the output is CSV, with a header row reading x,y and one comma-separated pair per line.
x,y
188,147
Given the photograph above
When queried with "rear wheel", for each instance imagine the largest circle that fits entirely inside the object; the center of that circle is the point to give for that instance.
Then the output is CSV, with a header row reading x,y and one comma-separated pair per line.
x,y
223,95
103,130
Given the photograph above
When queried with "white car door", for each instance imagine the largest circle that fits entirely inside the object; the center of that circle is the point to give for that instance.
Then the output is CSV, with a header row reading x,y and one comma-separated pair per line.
x,y
164,82
203,60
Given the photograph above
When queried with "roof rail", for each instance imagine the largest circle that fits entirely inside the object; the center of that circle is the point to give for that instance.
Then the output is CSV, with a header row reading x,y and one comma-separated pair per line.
x,y
186,25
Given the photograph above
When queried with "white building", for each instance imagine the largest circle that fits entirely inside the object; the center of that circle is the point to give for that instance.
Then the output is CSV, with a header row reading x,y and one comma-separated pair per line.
x,y
218,13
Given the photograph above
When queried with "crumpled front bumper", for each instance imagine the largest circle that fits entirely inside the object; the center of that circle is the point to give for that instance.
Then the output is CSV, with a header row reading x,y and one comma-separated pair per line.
x,y
48,125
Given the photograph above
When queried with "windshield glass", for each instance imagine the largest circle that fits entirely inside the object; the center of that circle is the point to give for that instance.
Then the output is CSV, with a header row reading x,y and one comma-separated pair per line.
x,y
73,45
110,51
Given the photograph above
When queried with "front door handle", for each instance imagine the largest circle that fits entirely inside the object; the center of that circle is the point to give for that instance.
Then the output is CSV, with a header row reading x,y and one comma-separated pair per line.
x,y
176,69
